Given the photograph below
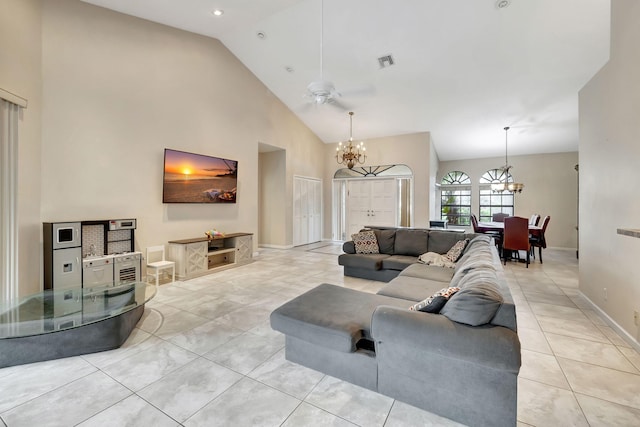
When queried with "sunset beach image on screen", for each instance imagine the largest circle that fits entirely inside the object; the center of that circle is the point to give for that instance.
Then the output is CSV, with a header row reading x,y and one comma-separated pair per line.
x,y
197,178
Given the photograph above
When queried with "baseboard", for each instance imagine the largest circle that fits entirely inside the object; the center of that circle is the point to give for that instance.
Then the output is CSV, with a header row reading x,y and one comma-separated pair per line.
x,y
560,249
265,245
613,324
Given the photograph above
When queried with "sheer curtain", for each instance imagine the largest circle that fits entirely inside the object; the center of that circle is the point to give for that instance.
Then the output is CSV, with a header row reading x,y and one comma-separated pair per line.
x,y
9,115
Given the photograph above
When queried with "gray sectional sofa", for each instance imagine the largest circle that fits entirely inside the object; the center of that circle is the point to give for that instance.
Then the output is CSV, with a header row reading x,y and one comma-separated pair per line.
x,y
399,248
461,363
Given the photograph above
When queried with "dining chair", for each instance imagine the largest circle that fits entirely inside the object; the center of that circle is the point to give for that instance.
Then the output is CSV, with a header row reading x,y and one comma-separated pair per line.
x,y
156,263
534,220
539,241
516,237
497,237
474,223
500,216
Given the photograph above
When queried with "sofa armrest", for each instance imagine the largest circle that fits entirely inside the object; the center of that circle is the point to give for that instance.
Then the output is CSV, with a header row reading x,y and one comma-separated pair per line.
x,y
349,247
402,333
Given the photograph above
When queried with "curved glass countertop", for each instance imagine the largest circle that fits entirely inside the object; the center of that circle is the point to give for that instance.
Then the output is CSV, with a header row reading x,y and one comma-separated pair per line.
x,y
69,308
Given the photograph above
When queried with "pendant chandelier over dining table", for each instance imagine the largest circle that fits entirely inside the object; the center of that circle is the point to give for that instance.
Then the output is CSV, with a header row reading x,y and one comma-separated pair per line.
x,y
505,184
348,153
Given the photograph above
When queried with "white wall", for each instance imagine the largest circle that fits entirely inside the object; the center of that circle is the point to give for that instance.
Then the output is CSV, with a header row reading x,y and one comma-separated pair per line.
x,y
609,173
434,205
413,150
551,188
117,90
20,73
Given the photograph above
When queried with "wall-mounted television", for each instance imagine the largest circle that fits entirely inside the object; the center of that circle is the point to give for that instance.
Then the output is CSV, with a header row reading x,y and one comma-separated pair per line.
x,y
196,178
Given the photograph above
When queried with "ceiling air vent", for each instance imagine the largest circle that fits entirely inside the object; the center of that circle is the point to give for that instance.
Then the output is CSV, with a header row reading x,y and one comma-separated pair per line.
x,y
385,61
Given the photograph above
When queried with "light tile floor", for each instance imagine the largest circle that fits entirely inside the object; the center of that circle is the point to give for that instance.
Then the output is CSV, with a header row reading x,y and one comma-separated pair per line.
x,y
204,355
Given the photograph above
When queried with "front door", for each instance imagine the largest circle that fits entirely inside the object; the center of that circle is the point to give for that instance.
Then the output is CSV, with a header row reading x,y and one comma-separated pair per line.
x,y
371,202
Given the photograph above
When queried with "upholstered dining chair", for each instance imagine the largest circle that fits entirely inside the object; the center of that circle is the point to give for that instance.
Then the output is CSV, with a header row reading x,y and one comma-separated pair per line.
x,y
500,216
474,223
539,241
497,237
516,237
534,220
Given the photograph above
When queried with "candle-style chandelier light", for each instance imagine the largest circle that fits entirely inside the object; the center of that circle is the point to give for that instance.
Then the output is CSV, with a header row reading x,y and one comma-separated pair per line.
x,y
348,153
505,184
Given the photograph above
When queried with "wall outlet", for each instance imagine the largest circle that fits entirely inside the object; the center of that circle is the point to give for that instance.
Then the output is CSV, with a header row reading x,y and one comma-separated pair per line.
x,y
636,318
604,293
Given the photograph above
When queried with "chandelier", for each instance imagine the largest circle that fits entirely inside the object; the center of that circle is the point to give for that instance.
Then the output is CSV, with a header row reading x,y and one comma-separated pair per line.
x,y
348,153
505,184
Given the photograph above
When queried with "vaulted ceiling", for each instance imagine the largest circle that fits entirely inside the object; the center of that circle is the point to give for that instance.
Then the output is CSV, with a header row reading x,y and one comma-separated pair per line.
x,y
463,69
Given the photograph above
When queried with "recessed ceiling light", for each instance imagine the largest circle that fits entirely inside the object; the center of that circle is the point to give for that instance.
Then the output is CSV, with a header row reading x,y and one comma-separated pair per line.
x,y
261,35
501,4
218,12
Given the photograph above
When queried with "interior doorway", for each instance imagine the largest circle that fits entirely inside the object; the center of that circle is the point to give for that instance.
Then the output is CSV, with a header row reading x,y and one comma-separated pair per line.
x,y
272,184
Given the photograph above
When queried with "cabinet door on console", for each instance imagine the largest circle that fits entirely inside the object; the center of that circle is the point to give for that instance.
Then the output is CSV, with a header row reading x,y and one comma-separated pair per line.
x,y
244,248
196,254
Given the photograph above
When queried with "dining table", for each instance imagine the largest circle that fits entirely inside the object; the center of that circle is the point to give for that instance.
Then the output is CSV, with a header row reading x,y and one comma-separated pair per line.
x,y
498,227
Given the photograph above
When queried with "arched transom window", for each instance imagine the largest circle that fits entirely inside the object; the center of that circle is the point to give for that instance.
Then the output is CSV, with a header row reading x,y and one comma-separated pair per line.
x,y
455,198
491,202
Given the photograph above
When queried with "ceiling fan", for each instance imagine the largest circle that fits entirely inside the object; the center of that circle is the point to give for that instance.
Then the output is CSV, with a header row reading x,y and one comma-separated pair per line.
x,y
323,92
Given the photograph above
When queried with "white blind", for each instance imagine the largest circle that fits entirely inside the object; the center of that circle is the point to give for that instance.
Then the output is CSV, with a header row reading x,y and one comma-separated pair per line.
x,y
9,113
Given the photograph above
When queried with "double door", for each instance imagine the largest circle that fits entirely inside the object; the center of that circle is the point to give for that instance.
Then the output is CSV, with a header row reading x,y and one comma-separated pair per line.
x,y
371,202
307,211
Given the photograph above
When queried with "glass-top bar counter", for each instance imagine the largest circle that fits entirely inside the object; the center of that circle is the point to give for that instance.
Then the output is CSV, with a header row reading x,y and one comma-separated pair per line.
x,y
70,322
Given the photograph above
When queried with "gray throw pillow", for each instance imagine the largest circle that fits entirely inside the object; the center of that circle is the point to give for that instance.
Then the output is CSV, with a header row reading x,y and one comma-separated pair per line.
x,y
474,305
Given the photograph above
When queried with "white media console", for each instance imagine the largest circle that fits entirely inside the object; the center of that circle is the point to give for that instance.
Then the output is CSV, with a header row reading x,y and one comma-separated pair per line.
x,y
198,256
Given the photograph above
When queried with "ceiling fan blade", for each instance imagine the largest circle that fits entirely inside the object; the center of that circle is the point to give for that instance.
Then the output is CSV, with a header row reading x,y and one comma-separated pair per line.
x,y
364,90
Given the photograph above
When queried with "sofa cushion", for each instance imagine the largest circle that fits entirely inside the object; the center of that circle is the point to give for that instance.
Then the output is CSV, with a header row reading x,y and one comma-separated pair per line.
x,y
441,241
435,302
331,316
474,304
369,261
469,277
480,240
431,272
398,262
411,242
411,288
365,242
386,240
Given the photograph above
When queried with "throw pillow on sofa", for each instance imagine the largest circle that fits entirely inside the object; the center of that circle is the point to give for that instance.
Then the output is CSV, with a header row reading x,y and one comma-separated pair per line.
x,y
435,302
365,242
456,250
